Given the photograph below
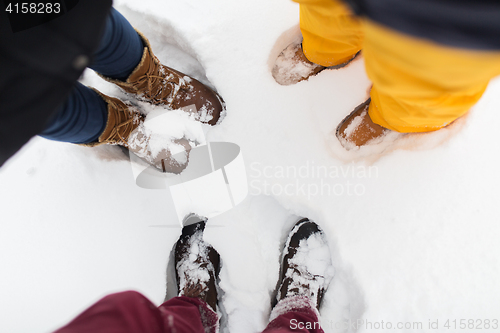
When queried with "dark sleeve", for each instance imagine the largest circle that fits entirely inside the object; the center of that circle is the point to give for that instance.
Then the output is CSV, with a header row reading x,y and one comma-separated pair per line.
x,y
469,24
40,65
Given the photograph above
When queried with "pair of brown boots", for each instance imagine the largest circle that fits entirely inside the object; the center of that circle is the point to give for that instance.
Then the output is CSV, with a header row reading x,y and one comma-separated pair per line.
x,y
306,266
159,85
357,129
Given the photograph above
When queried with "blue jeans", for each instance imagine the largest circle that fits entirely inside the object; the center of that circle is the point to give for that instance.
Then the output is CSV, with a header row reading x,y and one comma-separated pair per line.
x,y
82,118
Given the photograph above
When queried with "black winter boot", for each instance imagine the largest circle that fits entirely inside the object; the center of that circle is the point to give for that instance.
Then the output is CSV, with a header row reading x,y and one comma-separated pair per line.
x,y
197,265
306,268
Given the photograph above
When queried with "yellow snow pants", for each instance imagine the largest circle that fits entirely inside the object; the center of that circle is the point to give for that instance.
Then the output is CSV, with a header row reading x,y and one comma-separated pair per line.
x,y
418,85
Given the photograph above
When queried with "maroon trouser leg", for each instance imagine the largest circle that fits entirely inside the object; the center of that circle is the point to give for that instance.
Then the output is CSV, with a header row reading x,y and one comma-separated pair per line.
x,y
294,315
131,312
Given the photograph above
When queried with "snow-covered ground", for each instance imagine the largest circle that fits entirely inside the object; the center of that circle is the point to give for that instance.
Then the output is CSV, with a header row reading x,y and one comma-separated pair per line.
x,y
413,227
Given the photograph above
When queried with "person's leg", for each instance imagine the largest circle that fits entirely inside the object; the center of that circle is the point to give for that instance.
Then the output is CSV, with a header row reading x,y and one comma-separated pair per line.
x,y
332,34
193,311
81,119
120,50
332,37
125,58
420,86
131,312
189,315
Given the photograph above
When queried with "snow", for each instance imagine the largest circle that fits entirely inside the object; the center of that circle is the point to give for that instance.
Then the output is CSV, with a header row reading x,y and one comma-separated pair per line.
x,y
170,126
416,241
314,254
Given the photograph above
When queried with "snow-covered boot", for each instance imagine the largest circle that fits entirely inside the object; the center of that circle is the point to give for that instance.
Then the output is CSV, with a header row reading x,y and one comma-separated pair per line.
x,y
161,85
125,127
357,129
197,265
306,268
292,66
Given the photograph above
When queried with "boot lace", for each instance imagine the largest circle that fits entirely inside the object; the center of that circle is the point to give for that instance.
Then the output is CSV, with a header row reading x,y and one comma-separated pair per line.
x,y
120,133
161,85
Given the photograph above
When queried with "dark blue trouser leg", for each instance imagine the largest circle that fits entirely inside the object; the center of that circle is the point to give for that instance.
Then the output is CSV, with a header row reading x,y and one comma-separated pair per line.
x,y
81,119
120,50
83,116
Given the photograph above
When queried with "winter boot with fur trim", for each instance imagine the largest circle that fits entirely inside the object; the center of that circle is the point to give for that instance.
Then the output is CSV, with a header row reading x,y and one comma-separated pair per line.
x,y
161,85
125,127
306,269
197,265
357,129
292,66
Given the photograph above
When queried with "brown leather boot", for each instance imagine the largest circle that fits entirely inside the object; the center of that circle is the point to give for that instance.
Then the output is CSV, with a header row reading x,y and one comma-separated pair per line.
x,y
306,269
161,85
357,129
292,66
125,127
197,265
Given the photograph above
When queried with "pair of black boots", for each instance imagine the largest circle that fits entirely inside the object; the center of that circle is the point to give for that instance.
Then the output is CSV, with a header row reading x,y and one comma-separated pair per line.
x,y
306,266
